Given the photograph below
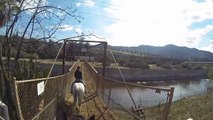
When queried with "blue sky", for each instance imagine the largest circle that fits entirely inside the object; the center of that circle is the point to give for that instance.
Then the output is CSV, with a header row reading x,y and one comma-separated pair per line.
x,y
145,22
142,22
94,16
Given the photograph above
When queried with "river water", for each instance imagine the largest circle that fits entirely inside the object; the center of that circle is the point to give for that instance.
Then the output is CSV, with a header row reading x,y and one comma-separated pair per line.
x,y
189,88
182,89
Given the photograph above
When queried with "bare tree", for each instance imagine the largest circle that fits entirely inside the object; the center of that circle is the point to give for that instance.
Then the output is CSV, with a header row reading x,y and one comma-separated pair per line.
x,y
39,14
29,19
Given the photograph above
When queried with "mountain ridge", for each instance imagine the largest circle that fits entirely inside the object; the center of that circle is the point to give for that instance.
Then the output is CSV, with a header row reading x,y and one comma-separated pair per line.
x,y
170,51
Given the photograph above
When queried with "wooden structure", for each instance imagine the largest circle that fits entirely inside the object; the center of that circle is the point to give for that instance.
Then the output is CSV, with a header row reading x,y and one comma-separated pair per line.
x,y
55,98
67,41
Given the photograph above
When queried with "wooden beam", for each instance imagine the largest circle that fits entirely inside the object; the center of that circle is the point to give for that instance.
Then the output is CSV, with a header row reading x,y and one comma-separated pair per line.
x,y
86,41
64,55
104,58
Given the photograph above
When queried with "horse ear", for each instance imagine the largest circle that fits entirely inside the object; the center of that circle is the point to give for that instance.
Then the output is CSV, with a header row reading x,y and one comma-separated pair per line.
x,y
92,117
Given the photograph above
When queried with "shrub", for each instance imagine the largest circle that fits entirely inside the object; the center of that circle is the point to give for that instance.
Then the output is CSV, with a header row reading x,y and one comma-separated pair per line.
x,y
13,52
140,65
23,54
164,65
33,56
144,65
210,73
186,66
108,63
122,63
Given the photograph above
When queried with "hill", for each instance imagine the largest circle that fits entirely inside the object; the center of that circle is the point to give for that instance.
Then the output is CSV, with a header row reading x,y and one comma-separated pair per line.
x,y
170,51
48,50
31,48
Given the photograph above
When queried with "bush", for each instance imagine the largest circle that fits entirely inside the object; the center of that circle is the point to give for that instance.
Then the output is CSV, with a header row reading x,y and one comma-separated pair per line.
x,y
132,65
198,67
33,56
164,65
144,65
108,63
13,52
122,63
23,54
186,66
140,65
210,73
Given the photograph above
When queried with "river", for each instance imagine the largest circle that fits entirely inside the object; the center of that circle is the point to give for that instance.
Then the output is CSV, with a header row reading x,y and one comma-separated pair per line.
x,y
182,89
189,88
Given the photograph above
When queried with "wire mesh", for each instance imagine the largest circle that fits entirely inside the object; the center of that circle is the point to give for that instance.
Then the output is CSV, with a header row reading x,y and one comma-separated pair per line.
x,y
44,106
153,102
30,102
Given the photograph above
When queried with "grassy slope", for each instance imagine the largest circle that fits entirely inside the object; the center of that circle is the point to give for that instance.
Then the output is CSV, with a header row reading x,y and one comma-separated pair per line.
x,y
196,107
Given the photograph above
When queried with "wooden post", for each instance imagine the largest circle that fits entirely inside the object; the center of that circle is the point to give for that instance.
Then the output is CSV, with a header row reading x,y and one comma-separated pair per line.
x,y
64,55
169,104
104,58
109,97
17,102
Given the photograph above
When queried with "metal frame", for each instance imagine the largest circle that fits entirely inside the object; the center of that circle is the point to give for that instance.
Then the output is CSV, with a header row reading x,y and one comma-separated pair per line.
x,y
86,41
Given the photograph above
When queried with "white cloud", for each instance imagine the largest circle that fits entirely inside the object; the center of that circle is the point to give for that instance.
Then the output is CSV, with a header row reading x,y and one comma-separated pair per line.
x,y
33,3
158,22
59,13
207,48
89,3
78,4
211,41
78,29
194,37
196,12
66,28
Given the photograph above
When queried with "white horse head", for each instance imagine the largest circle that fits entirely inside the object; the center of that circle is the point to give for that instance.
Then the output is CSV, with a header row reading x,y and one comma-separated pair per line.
x,y
78,91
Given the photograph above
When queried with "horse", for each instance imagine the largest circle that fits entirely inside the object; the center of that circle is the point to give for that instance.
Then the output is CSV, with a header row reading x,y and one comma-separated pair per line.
x,y
78,91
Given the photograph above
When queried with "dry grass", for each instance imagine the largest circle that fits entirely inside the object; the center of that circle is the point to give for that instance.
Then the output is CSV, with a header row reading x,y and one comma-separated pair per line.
x,y
196,107
122,115
51,61
154,67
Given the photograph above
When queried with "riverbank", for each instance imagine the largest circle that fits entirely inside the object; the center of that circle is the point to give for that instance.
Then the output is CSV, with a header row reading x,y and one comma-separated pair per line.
x,y
140,75
198,107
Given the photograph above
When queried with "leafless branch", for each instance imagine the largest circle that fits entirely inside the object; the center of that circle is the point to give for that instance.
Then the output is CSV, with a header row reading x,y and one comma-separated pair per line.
x,y
70,13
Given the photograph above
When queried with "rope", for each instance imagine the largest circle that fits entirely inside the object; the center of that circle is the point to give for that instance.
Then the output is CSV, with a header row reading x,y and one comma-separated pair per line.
x,y
122,77
54,63
55,60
